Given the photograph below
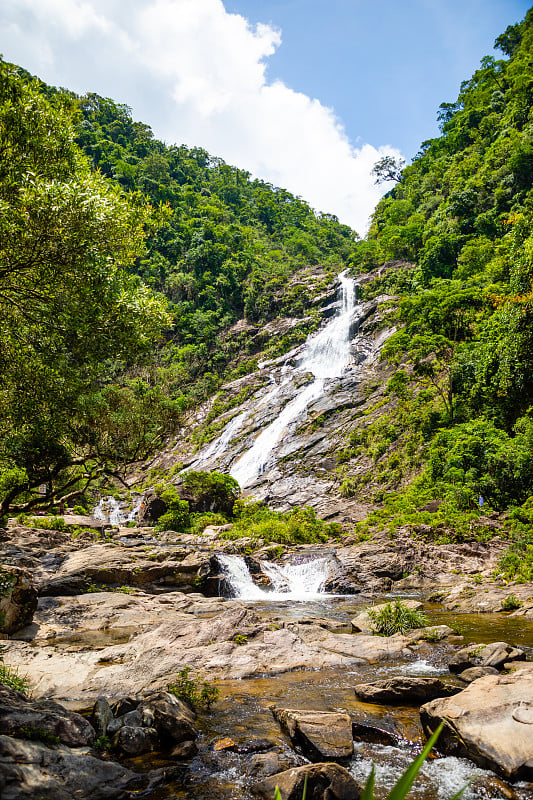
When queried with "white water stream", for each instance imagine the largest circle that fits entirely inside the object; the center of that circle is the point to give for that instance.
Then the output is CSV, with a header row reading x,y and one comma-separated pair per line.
x,y
109,510
301,582
326,355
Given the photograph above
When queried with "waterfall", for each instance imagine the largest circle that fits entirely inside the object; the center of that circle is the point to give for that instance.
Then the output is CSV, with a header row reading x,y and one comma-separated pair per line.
x,y
289,581
109,510
326,355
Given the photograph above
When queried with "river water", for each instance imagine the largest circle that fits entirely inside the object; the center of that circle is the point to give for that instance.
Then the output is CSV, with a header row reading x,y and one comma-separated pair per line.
x,y
243,711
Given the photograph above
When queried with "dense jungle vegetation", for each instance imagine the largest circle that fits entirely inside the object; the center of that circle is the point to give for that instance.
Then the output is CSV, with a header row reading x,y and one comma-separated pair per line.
x,y
460,220
123,263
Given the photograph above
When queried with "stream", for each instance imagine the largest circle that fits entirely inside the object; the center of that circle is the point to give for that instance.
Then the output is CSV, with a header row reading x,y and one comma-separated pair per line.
x,y
243,710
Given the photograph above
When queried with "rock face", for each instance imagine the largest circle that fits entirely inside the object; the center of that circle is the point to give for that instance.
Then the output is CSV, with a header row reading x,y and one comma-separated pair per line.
x,y
494,655
491,722
20,716
324,782
207,645
318,734
404,690
32,770
18,598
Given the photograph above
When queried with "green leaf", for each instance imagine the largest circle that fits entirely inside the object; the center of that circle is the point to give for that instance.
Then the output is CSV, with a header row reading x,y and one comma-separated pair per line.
x,y
368,791
403,785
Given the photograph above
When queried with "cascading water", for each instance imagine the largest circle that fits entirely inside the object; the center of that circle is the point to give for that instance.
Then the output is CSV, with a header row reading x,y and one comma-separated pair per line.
x,y
109,510
326,355
289,581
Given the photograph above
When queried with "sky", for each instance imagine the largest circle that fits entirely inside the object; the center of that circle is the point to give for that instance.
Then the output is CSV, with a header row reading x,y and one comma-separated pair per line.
x,y
305,94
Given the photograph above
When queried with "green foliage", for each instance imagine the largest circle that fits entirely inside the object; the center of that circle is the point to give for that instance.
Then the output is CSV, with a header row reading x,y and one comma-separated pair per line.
x,y
37,734
212,491
511,603
461,214
102,744
240,638
193,691
68,305
394,618
298,526
10,676
48,523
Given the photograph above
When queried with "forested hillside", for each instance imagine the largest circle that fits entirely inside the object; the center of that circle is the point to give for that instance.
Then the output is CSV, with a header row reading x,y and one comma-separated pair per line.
x,y
123,265
460,218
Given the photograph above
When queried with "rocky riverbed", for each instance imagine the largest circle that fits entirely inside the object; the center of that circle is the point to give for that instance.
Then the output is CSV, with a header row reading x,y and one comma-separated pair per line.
x,y
103,627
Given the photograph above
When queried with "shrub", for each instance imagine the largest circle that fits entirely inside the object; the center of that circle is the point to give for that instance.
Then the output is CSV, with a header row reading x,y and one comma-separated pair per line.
x,y
193,691
511,603
396,617
11,677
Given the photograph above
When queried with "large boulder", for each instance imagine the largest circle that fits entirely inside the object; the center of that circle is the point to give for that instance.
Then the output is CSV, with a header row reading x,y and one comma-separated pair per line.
x,y
490,722
324,782
20,716
30,770
151,509
18,598
319,735
495,654
173,719
404,690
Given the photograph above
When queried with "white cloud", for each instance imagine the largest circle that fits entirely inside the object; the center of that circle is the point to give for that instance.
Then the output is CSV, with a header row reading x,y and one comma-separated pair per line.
x,y
197,75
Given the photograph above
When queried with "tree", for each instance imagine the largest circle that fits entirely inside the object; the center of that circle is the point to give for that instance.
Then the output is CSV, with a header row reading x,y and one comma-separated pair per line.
x,y
67,304
388,168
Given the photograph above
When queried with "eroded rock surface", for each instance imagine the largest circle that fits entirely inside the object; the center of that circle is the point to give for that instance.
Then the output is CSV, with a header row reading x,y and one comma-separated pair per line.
x,y
20,716
495,654
404,690
18,598
320,735
32,770
491,722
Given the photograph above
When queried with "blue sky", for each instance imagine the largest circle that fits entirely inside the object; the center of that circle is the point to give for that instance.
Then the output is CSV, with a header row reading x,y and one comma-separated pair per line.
x,y
306,94
383,65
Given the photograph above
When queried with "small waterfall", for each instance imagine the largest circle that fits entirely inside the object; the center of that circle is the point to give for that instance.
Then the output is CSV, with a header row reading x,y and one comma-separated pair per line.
x,y
218,446
289,581
326,355
109,510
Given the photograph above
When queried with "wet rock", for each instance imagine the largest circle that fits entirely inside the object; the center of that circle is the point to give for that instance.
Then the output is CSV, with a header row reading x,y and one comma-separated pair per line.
x,y
101,716
263,765
495,654
151,509
184,750
404,690
31,770
255,745
473,673
134,740
324,782
318,734
173,719
362,732
20,716
224,744
362,622
18,598
490,722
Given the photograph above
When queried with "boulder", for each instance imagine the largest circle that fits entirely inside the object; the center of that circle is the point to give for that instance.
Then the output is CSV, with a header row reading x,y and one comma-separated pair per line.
x,y
173,719
363,624
490,722
324,782
30,770
20,716
101,716
404,690
134,740
473,673
151,509
318,734
18,598
494,655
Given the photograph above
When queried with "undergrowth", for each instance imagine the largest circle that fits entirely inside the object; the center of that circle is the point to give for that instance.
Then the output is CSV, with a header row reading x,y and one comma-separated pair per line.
x,y
10,676
394,618
193,691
